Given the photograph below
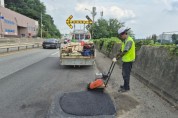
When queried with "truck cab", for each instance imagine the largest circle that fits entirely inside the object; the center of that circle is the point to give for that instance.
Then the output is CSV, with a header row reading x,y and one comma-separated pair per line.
x,y
81,35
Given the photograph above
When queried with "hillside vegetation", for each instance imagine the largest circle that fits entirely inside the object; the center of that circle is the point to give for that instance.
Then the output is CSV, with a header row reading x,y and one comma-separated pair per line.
x,y
33,9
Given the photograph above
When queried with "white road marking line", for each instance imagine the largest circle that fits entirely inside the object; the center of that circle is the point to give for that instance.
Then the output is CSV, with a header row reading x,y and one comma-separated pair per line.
x,y
55,53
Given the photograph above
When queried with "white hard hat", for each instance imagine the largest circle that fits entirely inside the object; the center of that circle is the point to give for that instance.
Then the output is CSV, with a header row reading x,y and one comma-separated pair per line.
x,y
123,29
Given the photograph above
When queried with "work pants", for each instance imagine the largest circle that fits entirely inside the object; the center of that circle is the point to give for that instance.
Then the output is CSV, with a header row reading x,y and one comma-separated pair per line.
x,y
126,70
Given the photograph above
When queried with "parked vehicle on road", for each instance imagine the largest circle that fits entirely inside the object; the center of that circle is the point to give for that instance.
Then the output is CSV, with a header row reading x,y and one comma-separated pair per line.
x,y
51,43
78,54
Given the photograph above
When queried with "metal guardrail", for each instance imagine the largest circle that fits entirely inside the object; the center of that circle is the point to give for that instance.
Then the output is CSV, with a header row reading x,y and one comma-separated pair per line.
x,y
6,44
20,40
18,46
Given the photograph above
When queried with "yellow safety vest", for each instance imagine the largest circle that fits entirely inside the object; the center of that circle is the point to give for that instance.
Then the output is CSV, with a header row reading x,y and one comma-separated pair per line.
x,y
130,55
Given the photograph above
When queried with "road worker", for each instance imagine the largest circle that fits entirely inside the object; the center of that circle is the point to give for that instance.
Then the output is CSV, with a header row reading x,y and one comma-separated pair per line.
x,y
127,54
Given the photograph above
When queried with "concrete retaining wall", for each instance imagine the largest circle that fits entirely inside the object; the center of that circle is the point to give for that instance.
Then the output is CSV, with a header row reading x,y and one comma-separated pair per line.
x,y
156,68
159,69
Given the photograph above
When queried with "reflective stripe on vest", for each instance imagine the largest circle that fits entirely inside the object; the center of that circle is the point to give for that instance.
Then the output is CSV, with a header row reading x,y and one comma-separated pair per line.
x,y
130,55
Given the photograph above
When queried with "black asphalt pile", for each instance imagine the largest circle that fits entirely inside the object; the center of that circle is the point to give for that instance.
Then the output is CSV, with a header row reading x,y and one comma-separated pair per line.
x,y
87,103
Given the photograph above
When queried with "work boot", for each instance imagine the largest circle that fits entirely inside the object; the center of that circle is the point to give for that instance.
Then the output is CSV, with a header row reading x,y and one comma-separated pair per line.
x,y
123,90
122,86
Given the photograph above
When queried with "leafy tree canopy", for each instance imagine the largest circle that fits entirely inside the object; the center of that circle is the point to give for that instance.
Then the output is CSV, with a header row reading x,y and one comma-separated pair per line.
x,y
103,28
175,38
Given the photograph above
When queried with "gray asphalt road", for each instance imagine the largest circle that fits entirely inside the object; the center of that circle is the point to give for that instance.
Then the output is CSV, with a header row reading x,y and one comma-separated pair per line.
x,y
10,63
30,79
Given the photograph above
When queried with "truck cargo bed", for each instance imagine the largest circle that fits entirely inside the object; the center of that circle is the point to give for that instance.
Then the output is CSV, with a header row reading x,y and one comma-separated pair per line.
x,y
70,56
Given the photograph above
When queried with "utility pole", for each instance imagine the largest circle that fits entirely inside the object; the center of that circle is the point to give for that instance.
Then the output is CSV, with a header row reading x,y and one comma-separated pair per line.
x,y
93,15
93,12
101,13
41,26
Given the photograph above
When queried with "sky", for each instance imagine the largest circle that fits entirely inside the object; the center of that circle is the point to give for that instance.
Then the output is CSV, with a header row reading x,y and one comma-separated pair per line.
x,y
144,17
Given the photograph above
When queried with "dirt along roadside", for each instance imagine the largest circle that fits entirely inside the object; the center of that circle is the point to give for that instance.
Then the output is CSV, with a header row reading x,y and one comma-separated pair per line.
x,y
140,101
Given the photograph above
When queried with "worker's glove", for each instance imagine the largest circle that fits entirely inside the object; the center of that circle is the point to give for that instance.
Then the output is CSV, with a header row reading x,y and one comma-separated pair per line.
x,y
118,57
114,60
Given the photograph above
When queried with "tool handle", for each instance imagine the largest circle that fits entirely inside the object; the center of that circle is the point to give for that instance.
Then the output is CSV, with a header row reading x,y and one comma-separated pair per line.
x,y
110,72
110,68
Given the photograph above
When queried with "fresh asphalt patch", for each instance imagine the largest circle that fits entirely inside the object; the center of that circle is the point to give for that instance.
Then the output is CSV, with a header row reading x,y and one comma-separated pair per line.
x,y
83,104
87,103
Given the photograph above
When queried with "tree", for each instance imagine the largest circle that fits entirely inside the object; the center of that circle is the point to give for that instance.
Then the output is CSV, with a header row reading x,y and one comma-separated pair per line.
x,y
175,38
154,37
113,27
105,28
